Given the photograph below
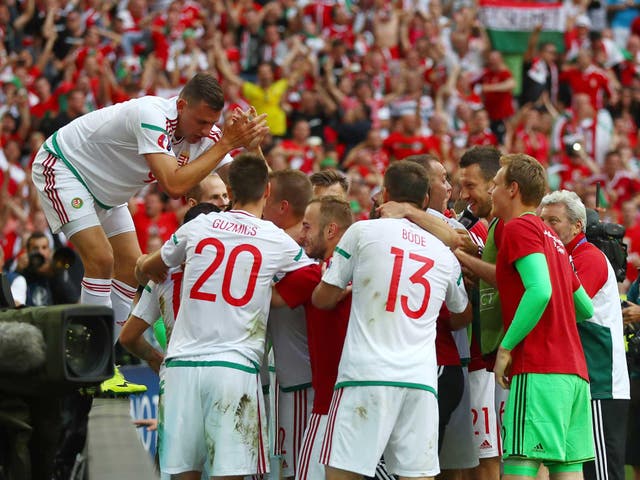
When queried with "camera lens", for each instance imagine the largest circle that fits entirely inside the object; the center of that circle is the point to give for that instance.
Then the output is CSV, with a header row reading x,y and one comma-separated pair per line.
x,y
36,260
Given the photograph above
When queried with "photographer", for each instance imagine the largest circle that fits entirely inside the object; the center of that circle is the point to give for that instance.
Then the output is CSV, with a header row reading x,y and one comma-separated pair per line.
x,y
53,278
59,423
36,267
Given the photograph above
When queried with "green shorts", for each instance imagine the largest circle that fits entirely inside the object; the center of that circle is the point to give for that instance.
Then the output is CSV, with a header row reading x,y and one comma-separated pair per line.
x,y
548,418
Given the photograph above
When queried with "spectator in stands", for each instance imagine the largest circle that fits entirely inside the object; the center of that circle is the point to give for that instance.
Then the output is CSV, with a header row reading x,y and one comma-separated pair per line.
x,y
498,85
406,139
76,107
152,219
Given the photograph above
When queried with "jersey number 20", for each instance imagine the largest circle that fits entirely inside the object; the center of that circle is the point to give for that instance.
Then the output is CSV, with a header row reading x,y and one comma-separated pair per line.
x,y
197,292
417,277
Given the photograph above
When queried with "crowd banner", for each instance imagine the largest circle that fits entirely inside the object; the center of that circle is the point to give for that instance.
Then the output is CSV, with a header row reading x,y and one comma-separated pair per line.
x,y
510,23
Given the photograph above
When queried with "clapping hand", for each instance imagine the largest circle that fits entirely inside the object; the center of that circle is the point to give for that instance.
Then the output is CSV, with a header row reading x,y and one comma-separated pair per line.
x,y
245,129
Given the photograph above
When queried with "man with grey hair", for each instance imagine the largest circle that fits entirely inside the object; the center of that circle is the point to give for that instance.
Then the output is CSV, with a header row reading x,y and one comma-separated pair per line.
x,y
601,335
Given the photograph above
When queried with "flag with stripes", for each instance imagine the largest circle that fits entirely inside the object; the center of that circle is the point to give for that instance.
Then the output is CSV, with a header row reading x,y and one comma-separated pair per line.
x,y
510,23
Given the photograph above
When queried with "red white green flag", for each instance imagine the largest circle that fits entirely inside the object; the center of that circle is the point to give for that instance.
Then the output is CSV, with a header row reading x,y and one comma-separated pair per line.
x,y
509,23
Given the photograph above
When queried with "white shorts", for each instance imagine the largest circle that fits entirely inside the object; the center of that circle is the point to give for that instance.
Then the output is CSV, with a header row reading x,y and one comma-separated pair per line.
x,y
501,395
369,421
309,466
294,409
213,417
485,422
458,451
68,205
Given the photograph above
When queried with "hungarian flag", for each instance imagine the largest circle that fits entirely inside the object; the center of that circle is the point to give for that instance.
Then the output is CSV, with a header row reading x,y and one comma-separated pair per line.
x,y
510,23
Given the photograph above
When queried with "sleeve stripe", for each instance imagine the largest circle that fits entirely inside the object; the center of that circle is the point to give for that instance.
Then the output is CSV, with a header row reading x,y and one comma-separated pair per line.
x,y
174,238
153,127
298,256
343,253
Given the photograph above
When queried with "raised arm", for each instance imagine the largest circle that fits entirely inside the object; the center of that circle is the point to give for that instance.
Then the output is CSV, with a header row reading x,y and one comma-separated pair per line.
x,y
222,64
176,181
532,44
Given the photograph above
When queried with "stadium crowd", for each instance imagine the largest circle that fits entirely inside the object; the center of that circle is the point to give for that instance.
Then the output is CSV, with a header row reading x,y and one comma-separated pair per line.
x,y
351,86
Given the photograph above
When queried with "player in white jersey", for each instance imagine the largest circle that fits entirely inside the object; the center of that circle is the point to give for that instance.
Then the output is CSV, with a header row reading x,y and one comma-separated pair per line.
x,y
214,411
87,171
401,276
158,300
287,328
456,450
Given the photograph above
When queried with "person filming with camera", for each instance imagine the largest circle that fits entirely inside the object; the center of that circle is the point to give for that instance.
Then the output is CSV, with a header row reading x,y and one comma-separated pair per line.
x,y
35,265
601,335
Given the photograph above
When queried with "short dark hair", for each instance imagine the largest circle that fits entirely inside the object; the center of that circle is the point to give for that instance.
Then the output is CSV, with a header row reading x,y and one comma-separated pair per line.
x,y
193,212
334,209
407,182
248,178
486,157
528,173
424,160
203,87
326,178
292,186
34,236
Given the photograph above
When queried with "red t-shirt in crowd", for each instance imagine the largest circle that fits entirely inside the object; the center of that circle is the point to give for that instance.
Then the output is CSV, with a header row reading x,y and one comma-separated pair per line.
x,y
399,145
164,226
593,81
326,331
499,105
535,144
341,32
625,185
484,138
301,157
553,346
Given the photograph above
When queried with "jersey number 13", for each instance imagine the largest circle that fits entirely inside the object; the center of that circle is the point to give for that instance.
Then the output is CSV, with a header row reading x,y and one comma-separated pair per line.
x,y
417,277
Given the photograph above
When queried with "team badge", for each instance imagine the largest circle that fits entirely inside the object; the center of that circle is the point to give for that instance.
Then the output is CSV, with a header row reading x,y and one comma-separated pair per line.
x,y
77,202
164,142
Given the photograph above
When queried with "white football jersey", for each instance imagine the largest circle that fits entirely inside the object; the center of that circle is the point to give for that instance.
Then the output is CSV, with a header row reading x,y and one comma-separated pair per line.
x,y
287,329
231,259
105,148
400,277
